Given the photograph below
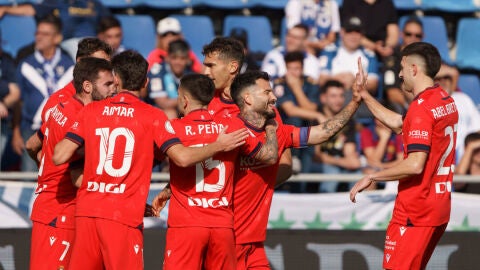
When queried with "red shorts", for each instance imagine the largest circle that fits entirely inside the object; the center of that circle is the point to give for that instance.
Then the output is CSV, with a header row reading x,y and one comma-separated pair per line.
x,y
106,244
194,247
410,247
51,247
251,256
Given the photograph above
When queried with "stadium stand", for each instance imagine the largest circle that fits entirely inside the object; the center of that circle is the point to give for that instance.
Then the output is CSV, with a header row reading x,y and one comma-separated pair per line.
x,y
122,3
167,4
138,32
17,31
450,6
470,85
198,30
226,4
408,4
276,4
258,29
468,54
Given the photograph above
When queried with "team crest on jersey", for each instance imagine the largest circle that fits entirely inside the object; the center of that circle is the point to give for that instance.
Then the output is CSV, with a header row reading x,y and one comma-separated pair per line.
x,y
169,128
420,101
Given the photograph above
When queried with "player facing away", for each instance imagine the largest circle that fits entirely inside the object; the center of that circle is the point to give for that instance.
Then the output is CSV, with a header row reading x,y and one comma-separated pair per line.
x,y
254,181
422,207
54,207
200,221
119,135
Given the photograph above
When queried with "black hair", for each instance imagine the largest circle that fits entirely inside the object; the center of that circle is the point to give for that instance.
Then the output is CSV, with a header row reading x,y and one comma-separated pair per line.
x,y
227,49
90,45
331,83
107,22
132,68
201,87
242,81
87,69
295,56
428,53
178,46
53,20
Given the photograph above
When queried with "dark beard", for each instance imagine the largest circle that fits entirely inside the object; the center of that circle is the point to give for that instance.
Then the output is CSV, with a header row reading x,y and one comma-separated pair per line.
x,y
270,115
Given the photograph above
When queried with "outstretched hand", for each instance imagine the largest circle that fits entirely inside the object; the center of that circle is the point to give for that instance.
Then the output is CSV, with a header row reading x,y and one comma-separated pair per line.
x,y
232,140
359,87
160,201
360,186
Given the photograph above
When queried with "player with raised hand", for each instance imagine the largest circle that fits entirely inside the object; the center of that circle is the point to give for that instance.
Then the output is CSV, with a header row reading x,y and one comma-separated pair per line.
x,y
200,221
54,207
119,135
422,207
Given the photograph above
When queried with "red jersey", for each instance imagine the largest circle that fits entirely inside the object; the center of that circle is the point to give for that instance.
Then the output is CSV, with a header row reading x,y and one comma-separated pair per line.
x,y
255,182
202,194
61,95
220,107
159,55
424,199
56,193
119,135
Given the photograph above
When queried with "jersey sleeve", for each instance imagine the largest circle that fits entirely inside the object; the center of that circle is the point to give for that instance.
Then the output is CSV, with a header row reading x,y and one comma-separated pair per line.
x,y
76,132
296,137
418,129
164,134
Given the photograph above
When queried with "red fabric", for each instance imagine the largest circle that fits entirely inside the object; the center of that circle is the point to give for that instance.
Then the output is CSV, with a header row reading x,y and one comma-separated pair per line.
x,y
60,95
251,256
158,56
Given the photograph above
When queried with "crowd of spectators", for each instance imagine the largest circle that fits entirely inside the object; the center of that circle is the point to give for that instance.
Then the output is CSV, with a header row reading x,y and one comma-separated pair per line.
x,y
312,73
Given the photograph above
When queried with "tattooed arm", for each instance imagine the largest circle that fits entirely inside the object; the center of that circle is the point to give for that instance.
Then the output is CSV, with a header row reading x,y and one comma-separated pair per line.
x,y
268,154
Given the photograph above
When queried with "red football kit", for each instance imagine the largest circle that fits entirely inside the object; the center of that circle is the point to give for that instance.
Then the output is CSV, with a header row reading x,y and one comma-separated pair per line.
x,y
202,197
220,107
424,200
61,95
54,207
253,190
119,135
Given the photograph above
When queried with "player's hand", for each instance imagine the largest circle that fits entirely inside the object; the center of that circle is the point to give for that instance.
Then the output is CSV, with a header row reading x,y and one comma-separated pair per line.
x,y
17,142
232,140
3,110
149,211
160,201
359,87
360,186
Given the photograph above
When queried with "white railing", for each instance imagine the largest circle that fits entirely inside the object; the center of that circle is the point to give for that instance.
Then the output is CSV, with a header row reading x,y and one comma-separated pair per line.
x,y
307,177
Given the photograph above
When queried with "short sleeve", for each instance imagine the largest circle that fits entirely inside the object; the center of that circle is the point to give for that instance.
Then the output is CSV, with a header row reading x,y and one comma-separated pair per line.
x,y
295,137
76,132
418,128
164,134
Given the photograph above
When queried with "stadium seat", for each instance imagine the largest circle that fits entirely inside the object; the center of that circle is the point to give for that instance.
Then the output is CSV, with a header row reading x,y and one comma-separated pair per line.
x,y
408,4
168,4
450,5
198,31
435,32
226,4
470,85
283,31
468,54
138,32
258,29
121,3
274,4
17,31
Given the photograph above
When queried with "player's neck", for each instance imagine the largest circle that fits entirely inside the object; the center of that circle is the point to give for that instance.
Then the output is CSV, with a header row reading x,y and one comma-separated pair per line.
x,y
226,93
135,93
422,85
253,118
195,108
84,98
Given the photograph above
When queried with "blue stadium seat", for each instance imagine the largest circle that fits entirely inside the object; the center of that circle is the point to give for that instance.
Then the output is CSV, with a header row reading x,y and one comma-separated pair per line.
x,y
226,4
138,32
435,32
121,3
168,4
198,31
470,85
283,31
450,5
468,54
408,4
274,4
258,29
17,31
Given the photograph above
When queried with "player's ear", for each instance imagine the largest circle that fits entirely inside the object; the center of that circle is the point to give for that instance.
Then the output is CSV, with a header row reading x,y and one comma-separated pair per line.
x,y
87,87
247,98
233,67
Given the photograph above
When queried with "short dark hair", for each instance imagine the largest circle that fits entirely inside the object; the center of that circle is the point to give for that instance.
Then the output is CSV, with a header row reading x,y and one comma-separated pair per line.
x,y
302,26
53,20
201,87
132,68
90,45
428,53
107,22
295,56
227,49
178,46
243,81
472,137
331,83
87,69
415,20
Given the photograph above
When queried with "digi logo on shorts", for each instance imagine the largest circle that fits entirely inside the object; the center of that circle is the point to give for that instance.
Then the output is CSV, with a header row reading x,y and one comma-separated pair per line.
x,y
208,202
106,187
418,134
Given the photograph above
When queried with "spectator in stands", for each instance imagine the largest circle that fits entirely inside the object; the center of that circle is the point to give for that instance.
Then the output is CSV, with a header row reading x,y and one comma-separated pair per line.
x,y
381,148
38,76
109,30
79,18
164,78
340,63
297,101
296,40
380,22
469,164
250,61
338,154
9,96
468,114
322,18
412,32
168,30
